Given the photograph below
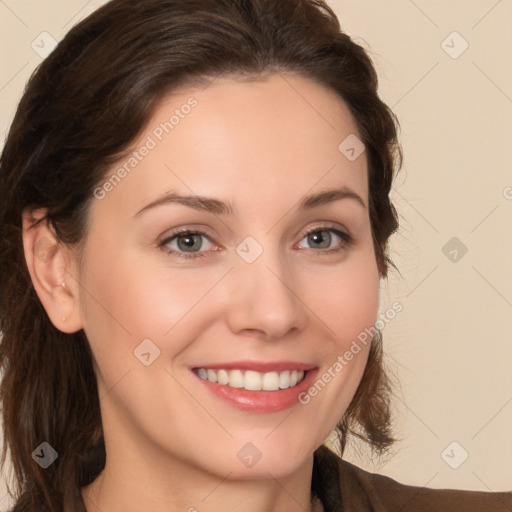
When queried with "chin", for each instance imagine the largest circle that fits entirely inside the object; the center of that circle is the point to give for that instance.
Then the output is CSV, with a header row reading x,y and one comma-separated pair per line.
x,y
264,458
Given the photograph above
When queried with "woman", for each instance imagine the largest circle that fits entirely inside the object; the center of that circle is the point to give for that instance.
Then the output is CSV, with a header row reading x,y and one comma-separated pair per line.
x,y
196,229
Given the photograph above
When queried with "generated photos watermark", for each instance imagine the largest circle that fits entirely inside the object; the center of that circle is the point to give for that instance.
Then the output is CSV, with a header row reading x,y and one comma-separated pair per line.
x,y
363,338
151,142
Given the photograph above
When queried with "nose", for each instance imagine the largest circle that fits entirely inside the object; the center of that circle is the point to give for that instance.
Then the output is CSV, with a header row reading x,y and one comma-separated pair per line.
x,y
265,299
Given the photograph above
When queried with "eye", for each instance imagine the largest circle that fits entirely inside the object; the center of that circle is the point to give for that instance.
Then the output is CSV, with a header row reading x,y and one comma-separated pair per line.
x,y
185,243
322,237
188,243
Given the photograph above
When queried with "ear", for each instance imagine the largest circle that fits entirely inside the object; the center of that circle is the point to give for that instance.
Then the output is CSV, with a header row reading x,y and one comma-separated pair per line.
x,y
52,271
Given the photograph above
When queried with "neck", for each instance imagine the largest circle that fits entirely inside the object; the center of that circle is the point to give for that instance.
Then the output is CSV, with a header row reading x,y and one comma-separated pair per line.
x,y
112,494
145,479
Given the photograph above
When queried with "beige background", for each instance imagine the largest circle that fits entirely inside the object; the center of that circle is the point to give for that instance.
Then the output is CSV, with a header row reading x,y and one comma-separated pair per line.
x,y
451,346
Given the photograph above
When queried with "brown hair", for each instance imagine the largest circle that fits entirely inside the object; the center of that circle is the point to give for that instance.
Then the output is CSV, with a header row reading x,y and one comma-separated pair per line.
x,y
81,109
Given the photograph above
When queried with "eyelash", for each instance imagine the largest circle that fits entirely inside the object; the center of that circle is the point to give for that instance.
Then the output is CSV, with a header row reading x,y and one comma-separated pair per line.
x,y
348,241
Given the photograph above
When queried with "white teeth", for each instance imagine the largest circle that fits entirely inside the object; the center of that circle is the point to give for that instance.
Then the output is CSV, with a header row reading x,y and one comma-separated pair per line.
x,y
270,381
251,380
222,375
284,379
236,379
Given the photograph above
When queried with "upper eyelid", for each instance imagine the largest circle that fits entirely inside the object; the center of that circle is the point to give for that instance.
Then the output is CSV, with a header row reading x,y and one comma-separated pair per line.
x,y
208,232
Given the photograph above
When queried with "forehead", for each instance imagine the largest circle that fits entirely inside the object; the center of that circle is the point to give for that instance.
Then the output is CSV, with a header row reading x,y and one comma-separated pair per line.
x,y
265,140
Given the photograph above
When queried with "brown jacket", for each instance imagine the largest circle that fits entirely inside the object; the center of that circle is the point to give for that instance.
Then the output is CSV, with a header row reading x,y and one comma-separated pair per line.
x,y
343,487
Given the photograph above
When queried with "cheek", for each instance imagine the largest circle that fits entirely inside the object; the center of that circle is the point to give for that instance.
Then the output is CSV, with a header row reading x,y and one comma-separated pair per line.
x,y
346,298
126,300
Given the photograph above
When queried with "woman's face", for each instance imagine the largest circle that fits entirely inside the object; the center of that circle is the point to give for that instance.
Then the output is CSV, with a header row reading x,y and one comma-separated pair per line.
x,y
246,286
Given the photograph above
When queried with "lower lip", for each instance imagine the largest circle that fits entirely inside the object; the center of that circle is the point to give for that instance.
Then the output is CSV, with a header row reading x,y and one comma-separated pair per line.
x,y
261,401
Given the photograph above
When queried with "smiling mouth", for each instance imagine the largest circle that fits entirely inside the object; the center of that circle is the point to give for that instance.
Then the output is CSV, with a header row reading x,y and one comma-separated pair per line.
x,y
252,380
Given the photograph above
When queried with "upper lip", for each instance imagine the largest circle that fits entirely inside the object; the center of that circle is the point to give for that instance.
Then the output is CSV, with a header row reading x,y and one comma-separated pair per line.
x,y
259,366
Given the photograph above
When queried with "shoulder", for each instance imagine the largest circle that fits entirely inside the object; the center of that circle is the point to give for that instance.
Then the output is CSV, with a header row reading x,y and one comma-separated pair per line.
x,y
365,491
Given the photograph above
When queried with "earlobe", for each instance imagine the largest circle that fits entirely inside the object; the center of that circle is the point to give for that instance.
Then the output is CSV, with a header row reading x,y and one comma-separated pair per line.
x,y
47,265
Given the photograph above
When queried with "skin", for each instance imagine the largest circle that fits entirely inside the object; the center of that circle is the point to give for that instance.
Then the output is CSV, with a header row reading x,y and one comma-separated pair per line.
x,y
262,146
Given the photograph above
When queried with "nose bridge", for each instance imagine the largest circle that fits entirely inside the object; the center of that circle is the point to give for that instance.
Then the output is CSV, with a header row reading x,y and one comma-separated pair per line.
x,y
264,296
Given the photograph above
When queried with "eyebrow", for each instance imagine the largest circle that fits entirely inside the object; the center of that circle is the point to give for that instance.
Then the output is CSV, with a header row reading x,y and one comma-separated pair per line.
x,y
217,207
